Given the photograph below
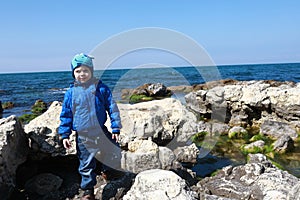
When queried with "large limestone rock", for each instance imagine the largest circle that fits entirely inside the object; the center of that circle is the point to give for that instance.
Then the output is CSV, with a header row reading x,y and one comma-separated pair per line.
x,y
145,154
162,120
285,101
159,184
49,119
258,179
13,152
43,132
277,129
187,154
248,102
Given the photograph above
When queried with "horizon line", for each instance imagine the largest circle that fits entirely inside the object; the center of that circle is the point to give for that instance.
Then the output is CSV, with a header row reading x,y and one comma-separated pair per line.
x,y
183,66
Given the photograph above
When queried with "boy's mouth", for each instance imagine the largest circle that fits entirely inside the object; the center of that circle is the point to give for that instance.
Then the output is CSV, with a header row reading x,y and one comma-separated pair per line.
x,y
82,79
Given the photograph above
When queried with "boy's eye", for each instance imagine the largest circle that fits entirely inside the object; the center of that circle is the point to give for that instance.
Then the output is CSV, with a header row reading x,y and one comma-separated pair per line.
x,y
84,71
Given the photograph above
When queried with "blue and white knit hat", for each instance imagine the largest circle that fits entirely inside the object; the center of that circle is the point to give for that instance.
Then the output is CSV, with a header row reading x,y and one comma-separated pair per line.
x,y
82,59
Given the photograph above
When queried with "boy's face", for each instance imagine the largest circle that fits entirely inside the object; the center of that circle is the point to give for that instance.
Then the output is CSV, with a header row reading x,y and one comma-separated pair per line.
x,y
82,74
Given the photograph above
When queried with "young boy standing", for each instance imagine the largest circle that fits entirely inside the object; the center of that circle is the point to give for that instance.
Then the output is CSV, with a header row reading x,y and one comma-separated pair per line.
x,y
85,107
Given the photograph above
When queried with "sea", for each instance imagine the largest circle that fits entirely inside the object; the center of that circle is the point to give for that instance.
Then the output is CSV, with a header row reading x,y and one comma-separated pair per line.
x,y
23,89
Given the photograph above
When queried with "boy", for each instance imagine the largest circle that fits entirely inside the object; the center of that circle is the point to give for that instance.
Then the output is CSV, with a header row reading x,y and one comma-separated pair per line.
x,y
85,107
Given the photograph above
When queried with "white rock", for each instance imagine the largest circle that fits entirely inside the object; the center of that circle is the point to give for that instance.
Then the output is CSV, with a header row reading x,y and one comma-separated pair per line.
x,y
158,184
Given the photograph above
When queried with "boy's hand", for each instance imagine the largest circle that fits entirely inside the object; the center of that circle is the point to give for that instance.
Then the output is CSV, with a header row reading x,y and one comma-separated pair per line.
x,y
115,137
67,143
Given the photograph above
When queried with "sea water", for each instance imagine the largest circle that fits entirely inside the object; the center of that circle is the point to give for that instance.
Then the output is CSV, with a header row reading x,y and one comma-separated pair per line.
x,y
23,89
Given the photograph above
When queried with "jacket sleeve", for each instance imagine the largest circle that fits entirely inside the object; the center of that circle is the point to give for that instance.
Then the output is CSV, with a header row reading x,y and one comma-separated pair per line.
x,y
66,116
113,111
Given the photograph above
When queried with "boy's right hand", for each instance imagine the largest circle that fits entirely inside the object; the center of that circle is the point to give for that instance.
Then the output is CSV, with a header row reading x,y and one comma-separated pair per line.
x,y
67,143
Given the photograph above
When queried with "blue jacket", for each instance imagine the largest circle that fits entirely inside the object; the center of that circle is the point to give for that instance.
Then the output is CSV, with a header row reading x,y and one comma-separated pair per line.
x,y
85,108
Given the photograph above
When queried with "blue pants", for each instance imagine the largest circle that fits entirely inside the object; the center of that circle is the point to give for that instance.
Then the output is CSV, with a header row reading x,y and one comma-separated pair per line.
x,y
102,148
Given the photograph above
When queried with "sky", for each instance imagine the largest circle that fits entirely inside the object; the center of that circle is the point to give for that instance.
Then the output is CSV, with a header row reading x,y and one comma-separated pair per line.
x,y
45,35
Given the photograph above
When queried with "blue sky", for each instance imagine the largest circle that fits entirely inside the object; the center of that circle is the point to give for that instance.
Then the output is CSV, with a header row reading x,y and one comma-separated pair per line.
x,y
45,35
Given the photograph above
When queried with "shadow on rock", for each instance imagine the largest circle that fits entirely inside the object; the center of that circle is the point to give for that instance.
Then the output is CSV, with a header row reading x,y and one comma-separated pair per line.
x,y
117,188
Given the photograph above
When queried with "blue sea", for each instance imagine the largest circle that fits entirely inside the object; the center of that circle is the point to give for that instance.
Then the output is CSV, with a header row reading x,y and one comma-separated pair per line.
x,y
23,89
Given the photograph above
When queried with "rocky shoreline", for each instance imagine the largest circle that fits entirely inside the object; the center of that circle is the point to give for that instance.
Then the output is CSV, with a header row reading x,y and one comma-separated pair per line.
x,y
260,117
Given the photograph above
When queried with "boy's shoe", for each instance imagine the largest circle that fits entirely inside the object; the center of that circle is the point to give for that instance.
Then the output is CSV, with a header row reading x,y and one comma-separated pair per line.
x,y
88,195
